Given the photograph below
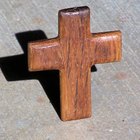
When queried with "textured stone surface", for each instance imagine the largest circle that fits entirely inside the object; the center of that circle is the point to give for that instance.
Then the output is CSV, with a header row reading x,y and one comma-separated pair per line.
x,y
25,110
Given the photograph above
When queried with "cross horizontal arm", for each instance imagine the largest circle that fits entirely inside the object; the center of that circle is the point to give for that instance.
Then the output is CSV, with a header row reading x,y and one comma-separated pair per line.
x,y
45,55
106,47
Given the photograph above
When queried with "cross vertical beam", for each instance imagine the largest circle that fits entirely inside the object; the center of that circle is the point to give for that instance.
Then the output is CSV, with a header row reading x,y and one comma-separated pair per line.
x,y
73,53
74,31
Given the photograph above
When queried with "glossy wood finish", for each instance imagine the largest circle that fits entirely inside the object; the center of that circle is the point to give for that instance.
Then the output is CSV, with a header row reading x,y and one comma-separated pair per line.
x,y
73,52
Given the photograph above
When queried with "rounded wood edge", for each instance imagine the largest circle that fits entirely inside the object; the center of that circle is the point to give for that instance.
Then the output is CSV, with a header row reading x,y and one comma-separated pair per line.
x,y
74,11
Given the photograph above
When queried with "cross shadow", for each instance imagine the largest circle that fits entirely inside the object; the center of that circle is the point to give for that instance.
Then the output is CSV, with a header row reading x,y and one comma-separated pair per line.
x,y
15,68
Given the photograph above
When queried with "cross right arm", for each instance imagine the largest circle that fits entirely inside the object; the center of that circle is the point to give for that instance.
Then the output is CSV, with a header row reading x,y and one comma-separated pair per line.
x,y
106,47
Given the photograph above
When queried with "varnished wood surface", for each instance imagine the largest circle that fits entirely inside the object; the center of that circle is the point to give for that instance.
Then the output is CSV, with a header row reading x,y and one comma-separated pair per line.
x,y
73,52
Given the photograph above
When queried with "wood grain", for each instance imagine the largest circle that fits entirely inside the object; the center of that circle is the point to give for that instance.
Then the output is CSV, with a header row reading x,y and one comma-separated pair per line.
x,y
73,52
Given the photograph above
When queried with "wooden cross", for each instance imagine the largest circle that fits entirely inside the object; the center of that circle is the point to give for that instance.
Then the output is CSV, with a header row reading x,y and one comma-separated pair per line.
x,y
73,53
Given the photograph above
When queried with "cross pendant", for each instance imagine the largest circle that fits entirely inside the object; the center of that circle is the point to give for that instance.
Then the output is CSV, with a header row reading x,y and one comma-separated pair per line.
x,y
73,53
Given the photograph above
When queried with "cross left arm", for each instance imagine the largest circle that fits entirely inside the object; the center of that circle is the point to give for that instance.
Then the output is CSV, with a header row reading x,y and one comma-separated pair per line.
x,y
45,55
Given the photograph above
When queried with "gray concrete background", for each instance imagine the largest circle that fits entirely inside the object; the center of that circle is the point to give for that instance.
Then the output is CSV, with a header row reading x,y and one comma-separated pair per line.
x,y
25,110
